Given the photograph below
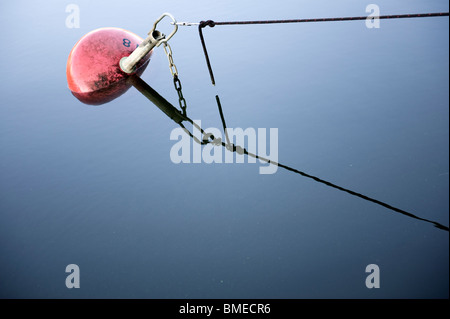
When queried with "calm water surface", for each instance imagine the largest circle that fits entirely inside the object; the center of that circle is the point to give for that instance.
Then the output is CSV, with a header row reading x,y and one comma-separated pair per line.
x,y
366,109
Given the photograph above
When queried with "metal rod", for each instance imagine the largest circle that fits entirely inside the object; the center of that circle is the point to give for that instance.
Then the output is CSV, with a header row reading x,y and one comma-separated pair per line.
x,y
146,90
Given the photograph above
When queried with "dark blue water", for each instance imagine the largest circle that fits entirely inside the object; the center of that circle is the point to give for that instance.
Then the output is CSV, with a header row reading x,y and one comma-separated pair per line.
x,y
366,109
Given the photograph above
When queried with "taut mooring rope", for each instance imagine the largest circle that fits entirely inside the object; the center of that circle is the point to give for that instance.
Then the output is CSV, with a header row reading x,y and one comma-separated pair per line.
x,y
241,150
233,148
212,24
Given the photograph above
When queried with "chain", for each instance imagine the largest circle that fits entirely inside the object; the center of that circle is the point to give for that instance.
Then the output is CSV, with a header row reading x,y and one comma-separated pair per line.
x,y
176,80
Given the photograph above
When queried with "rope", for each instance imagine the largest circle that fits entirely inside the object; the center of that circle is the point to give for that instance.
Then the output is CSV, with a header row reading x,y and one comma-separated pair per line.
x,y
397,16
208,138
240,150
233,148
212,24
395,209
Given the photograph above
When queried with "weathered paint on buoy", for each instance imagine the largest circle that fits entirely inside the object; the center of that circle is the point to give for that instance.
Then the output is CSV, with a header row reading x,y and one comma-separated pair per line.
x,y
93,72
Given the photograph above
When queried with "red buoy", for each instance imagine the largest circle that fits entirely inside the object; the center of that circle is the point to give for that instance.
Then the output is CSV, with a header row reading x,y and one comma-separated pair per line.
x,y
93,72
